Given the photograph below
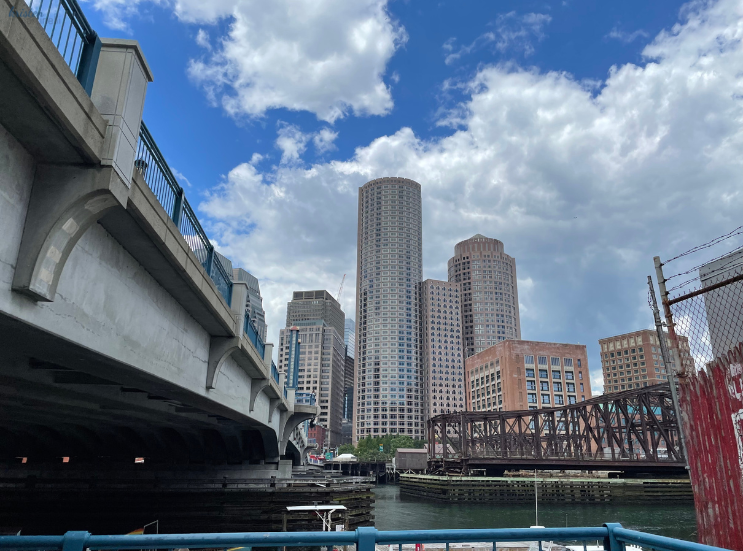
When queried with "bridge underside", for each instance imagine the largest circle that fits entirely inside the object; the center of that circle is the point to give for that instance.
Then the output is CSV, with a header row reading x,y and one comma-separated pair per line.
x,y
497,466
59,400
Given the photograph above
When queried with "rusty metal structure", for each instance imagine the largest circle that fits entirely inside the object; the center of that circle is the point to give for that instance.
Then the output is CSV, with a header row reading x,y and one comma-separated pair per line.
x,y
632,431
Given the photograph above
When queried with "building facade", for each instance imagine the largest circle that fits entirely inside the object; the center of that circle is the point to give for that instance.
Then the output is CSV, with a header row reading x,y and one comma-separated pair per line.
x,y
490,299
349,337
443,360
516,375
634,360
254,306
387,390
322,354
722,305
312,307
291,354
350,370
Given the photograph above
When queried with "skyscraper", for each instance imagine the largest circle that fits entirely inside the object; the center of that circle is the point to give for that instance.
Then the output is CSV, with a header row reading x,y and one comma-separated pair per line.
x,y
388,394
307,308
349,337
441,337
317,317
490,299
255,301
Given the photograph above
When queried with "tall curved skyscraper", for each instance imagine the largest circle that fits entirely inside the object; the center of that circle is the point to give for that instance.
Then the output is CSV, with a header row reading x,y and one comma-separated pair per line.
x,y
388,397
490,297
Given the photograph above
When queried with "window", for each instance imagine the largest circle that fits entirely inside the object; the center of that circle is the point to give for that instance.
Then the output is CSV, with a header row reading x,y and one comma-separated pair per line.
x,y
545,398
531,385
542,360
543,374
559,399
567,362
569,375
544,386
557,387
570,387
578,360
580,373
529,372
581,387
555,362
529,360
531,398
556,375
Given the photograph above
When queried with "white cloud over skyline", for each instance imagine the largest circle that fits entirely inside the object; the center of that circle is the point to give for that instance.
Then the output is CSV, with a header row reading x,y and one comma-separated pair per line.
x,y
583,184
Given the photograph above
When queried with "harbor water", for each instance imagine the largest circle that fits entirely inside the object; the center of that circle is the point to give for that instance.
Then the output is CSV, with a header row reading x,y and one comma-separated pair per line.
x,y
394,511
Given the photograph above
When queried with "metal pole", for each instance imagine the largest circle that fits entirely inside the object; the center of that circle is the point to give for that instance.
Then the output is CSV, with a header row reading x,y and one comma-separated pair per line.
x,y
666,355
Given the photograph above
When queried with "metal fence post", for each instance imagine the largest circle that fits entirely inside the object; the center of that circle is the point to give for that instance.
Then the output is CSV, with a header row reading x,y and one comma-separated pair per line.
x,y
366,538
89,63
75,541
611,543
209,260
666,357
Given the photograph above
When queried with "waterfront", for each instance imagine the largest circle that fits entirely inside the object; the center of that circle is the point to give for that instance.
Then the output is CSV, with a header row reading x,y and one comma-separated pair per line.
x,y
396,512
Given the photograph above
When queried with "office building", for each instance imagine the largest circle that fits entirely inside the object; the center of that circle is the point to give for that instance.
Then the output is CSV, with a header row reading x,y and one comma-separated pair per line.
x,y
634,360
348,387
291,366
516,375
349,337
322,354
490,299
255,301
723,305
309,308
443,361
387,391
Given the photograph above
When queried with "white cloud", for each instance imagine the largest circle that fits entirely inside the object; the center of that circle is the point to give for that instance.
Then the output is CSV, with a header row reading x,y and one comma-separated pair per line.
x,y
511,32
626,37
564,174
202,39
117,13
324,139
328,57
292,142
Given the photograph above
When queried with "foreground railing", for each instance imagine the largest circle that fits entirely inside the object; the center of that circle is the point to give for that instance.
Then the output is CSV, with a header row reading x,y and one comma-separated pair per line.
x,y
160,179
613,536
304,398
69,30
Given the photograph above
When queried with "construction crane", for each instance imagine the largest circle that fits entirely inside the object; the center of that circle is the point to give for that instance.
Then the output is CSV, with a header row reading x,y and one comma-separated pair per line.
x,y
340,289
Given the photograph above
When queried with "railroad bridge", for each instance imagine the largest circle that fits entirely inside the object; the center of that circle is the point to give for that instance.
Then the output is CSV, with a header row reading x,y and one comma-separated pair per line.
x,y
632,431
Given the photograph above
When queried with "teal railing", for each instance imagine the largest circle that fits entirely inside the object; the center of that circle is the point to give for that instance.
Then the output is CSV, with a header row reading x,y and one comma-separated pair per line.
x,y
160,179
304,398
613,536
252,333
69,30
274,372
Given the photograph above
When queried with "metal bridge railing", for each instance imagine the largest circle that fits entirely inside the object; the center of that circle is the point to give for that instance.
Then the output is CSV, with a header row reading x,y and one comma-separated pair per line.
x,y
614,538
69,30
160,179
304,398
252,332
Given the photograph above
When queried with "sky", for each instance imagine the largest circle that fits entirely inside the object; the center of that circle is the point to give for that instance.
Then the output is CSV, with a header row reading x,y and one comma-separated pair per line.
x,y
587,136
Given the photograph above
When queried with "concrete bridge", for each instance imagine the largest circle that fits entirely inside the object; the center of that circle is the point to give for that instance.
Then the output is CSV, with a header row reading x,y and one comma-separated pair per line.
x,y
115,341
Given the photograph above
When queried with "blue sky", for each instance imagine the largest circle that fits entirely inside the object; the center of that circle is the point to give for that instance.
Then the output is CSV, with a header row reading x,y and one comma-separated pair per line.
x,y
587,136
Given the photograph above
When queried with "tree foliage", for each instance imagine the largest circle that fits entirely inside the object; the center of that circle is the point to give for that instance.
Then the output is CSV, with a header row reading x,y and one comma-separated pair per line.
x,y
368,449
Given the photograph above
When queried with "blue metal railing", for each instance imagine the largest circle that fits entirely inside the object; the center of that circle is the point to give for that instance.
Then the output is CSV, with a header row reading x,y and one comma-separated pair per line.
x,y
252,332
286,393
274,372
614,538
69,30
160,179
304,398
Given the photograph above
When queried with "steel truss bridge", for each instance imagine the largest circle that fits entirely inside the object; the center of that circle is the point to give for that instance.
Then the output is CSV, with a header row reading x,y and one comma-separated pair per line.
x,y
631,431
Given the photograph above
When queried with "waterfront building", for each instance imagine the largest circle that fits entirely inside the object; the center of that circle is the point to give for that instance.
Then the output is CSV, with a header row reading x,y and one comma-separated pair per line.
x,y
322,354
350,370
310,307
490,299
317,435
349,337
634,360
441,337
254,305
387,389
515,375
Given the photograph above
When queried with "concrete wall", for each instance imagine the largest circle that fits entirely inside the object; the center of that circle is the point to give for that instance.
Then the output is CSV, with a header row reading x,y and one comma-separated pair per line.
x,y
108,303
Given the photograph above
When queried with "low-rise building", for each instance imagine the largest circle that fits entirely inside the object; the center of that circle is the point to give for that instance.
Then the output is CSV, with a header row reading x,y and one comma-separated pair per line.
x,y
516,375
634,360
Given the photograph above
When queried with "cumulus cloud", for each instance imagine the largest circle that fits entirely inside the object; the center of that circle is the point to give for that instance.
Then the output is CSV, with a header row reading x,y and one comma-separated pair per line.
x,y
292,142
511,32
582,185
202,39
327,57
117,13
324,139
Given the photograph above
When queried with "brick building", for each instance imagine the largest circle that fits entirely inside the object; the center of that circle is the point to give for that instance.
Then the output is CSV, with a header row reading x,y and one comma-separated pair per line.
x,y
441,334
516,375
634,360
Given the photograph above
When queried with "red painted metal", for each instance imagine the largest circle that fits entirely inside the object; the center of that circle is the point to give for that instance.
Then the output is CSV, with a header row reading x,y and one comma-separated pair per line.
x,y
711,405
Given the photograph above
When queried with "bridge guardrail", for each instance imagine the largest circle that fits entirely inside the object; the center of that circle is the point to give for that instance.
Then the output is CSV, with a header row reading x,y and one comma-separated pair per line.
x,y
614,537
160,179
305,398
69,30
252,332
274,372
